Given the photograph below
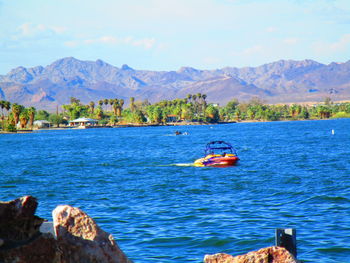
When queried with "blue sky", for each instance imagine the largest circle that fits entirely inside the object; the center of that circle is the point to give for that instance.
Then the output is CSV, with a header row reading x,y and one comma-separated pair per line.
x,y
168,34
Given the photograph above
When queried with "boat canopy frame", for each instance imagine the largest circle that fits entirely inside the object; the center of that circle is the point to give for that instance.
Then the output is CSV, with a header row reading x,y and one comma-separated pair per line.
x,y
214,146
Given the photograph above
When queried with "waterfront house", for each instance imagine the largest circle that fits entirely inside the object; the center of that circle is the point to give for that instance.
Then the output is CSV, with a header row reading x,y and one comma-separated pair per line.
x,y
171,118
42,124
83,122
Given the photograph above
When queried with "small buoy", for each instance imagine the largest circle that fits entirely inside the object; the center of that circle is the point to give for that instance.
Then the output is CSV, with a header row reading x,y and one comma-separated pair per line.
x,y
332,132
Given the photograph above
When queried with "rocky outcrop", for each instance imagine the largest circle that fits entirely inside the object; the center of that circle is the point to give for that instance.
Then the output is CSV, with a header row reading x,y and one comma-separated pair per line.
x,y
78,238
20,238
265,255
82,240
17,220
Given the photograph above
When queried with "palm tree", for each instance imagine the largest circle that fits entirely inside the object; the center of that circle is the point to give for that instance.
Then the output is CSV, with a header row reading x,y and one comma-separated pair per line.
x,y
106,101
2,106
16,111
31,113
7,105
23,117
132,104
99,112
100,102
189,97
74,100
121,103
194,97
111,102
92,107
116,107
204,104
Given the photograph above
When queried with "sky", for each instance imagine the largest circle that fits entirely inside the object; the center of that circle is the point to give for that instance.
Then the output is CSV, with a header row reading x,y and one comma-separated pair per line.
x,y
169,34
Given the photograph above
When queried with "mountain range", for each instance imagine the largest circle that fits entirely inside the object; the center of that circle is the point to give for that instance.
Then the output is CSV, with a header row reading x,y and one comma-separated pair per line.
x,y
284,81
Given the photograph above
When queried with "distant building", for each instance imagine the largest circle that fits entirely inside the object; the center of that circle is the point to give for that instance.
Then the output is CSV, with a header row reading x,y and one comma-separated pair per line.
x,y
42,124
171,118
83,122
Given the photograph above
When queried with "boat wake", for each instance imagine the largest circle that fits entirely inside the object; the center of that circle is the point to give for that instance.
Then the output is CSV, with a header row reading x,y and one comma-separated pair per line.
x,y
183,164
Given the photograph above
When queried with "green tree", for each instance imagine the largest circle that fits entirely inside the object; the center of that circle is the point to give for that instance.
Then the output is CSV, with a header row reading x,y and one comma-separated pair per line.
x,y
74,100
134,117
121,104
116,107
76,109
56,119
106,101
23,117
111,102
155,114
113,120
2,106
212,113
92,107
31,114
327,101
132,104
99,112
304,113
16,111
323,111
42,115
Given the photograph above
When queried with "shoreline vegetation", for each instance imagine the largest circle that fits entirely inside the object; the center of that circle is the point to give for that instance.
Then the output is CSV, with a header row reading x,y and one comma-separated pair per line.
x,y
192,110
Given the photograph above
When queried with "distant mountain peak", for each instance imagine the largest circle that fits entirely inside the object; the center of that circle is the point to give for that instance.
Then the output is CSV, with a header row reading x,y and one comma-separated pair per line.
x,y
187,70
20,74
126,67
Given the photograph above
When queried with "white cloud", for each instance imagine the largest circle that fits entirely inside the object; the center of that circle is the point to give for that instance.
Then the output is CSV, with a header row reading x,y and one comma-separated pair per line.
x,y
31,30
339,46
271,29
146,43
71,43
102,40
253,50
290,41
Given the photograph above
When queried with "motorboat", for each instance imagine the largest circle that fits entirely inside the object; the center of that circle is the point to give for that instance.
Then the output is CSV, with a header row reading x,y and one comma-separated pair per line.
x,y
219,154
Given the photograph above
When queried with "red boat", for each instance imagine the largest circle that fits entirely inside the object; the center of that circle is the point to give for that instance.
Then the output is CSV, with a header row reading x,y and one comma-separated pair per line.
x,y
219,154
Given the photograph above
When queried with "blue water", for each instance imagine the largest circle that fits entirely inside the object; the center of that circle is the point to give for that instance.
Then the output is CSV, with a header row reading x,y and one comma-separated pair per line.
x,y
138,185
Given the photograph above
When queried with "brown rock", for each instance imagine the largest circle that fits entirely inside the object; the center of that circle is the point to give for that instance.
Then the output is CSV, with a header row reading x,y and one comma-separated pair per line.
x,y
81,240
17,219
265,255
20,239
43,249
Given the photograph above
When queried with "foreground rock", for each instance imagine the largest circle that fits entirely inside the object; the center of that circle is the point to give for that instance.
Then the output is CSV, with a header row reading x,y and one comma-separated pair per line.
x,y
265,255
79,239
82,240
20,238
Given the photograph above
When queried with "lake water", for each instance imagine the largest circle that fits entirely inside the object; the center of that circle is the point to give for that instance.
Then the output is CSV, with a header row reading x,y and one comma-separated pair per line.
x,y
137,183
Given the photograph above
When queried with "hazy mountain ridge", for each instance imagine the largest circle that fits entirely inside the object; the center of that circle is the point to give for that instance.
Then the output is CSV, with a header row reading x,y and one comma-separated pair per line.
x,y
280,81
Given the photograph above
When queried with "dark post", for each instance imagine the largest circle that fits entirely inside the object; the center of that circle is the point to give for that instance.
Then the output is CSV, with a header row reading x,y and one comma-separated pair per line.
x,y
287,238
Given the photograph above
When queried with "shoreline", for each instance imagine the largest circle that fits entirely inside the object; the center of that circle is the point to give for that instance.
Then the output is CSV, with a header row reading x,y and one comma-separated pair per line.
x,y
131,125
